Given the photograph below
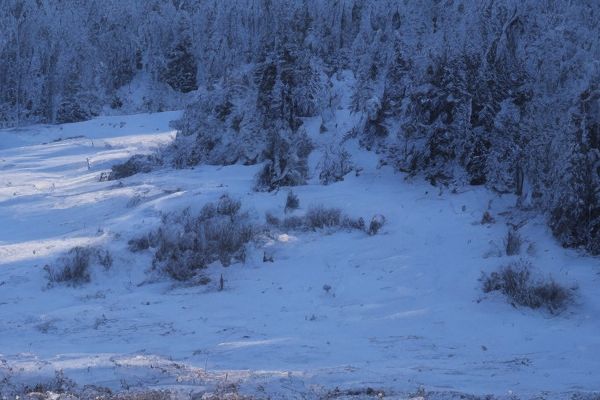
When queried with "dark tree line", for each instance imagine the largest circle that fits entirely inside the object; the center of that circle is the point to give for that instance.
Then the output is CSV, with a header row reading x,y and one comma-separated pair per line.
x,y
503,94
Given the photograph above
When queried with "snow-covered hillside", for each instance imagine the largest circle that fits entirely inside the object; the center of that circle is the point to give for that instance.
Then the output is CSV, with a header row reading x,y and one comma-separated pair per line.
x,y
397,311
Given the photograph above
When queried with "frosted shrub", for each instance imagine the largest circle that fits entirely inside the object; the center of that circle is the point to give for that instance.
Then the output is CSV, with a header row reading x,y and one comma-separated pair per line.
x,y
517,283
487,218
103,257
228,206
375,225
272,219
139,244
71,110
186,243
352,223
293,223
513,242
292,202
73,268
319,217
135,165
51,387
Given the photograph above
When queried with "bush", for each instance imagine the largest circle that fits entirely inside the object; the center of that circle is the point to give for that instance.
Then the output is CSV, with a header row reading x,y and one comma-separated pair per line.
x,y
186,243
513,242
487,218
292,202
76,108
228,206
134,201
352,223
136,164
515,281
73,268
376,223
272,176
104,258
272,219
293,223
60,384
319,217
139,244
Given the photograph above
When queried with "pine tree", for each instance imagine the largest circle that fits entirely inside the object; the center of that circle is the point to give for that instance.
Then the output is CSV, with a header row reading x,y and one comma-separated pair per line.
x,y
181,69
286,154
74,106
396,81
575,219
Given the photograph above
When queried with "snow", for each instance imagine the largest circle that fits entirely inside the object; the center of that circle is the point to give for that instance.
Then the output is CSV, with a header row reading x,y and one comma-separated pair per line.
x,y
404,308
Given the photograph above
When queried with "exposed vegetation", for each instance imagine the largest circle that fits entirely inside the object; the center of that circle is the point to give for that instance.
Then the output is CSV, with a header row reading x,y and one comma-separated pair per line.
x,y
517,282
187,242
134,165
513,242
319,217
73,268
292,202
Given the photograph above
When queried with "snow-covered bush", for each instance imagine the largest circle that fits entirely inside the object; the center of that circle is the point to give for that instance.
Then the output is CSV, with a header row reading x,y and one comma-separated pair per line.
x,y
293,222
72,110
376,224
516,281
73,268
272,219
186,243
513,242
135,165
319,217
139,244
292,202
228,206
60,383
487,218
355,223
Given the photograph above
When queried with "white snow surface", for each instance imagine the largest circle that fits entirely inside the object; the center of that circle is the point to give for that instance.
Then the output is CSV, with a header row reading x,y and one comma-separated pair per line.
x,y
405,309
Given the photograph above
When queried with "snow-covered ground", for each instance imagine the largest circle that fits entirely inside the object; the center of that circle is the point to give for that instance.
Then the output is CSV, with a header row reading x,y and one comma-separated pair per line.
x,y
405,309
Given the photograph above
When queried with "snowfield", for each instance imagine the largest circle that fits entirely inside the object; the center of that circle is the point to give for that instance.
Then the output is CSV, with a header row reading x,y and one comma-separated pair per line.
x,y
404,309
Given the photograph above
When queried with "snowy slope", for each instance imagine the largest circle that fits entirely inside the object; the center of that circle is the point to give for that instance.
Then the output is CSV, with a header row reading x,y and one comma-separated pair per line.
x,y
405,308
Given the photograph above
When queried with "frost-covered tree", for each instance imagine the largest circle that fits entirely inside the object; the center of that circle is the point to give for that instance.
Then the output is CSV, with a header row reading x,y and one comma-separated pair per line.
x,y
181,68
286,159
254,116
477,92
575,217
